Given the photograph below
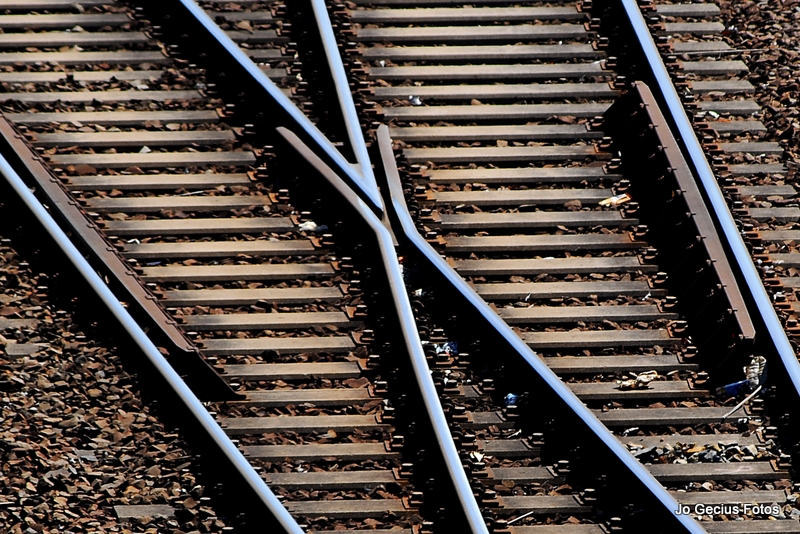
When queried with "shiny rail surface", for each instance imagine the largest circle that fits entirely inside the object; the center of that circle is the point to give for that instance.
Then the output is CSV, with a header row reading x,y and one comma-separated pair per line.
x,y
643,60
518,328
136,236
572,413
467,518
485,209
263,508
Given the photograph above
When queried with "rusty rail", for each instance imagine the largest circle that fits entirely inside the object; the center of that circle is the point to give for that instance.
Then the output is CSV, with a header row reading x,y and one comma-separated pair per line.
x,y
701,276
122,278
244,489
246,85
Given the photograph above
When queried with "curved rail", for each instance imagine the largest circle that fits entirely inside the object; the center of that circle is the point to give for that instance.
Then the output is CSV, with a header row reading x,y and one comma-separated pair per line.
x,y
471,516
265,509
651,68
334,79
662,503
245,77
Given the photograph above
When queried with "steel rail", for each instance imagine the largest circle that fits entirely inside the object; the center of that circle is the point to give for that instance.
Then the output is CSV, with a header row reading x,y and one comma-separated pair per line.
x,y
662,503
183,355
206,37
268,513
336,83
471,517
720,323
653,71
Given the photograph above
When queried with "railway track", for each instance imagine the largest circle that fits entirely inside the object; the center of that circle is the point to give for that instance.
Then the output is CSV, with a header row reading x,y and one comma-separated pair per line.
x,y
260,278
506,179
748,159
53,441
251,297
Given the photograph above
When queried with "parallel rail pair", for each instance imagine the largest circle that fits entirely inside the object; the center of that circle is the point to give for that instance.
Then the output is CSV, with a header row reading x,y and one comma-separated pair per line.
x,y
241,74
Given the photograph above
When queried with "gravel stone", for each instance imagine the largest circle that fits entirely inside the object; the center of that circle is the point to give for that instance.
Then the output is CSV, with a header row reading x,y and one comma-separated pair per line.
x,y
79,452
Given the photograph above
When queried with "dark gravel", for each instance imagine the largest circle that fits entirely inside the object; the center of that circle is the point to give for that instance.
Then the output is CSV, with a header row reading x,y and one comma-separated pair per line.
x,y
75,438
